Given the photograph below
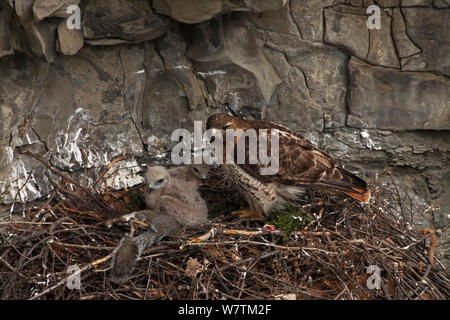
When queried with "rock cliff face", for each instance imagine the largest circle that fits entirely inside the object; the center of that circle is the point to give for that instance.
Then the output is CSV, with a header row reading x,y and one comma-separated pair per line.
x,y
136,70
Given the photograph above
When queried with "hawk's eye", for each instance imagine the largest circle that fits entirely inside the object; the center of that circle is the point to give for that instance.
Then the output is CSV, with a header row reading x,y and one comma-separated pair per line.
x,y
196,170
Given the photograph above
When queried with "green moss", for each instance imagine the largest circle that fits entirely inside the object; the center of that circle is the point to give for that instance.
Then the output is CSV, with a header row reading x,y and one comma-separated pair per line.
x,y
289,219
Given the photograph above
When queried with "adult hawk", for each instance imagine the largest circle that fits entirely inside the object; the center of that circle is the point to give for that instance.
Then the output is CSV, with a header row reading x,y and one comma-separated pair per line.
x,y
301,165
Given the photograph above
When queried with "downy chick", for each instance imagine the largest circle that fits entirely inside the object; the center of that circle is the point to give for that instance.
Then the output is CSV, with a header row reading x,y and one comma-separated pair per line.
x,y
175,192
174,201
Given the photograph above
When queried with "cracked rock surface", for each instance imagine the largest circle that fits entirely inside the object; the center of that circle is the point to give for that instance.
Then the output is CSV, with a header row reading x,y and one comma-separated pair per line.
x,y
137,70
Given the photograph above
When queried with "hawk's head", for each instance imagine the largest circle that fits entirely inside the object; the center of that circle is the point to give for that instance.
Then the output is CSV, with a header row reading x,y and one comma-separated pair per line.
x,y
157,177
200,170
221,121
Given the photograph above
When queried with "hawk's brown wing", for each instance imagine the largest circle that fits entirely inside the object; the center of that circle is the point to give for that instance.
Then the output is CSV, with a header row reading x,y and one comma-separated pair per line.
x,y
302,164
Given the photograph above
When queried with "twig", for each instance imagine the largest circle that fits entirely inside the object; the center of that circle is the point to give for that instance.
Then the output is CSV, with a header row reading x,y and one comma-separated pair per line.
x,y
53,169
80,246
108,167
64,280
7,264
432,243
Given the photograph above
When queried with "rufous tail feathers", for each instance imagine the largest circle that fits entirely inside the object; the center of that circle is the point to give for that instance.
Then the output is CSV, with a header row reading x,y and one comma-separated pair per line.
x,y
360,195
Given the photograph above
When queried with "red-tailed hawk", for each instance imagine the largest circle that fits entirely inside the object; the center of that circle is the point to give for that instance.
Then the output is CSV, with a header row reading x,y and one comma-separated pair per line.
x,y
300,165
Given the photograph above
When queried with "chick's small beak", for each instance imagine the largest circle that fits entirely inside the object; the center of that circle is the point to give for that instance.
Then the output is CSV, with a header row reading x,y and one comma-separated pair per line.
x,y
154,185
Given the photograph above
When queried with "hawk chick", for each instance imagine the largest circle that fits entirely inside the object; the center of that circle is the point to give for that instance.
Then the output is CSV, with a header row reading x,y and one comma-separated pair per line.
x,y
174,201
175,192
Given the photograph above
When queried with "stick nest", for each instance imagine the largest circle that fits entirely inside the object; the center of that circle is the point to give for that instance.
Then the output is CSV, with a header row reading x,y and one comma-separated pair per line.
x,y
318,248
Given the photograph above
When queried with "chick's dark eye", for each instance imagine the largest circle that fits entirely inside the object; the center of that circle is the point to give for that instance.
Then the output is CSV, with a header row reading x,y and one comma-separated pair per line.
x,y
213,138
158,182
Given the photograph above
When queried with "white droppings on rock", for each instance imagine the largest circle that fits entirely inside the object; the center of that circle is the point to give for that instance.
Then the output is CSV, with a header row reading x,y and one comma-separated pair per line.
x,y
313,138
9,153
364,133
182,67
19,185
211,73
123,174
369,142
28,138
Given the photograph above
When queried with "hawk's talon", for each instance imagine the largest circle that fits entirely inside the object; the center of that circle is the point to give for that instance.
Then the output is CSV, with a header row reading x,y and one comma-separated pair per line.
x,y
248,213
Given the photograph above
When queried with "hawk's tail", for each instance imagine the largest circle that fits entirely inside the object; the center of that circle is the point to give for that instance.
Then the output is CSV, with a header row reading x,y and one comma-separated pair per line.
x,y
350,184
360,195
